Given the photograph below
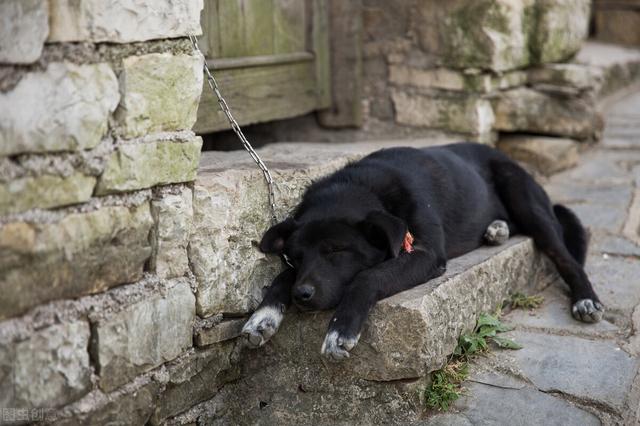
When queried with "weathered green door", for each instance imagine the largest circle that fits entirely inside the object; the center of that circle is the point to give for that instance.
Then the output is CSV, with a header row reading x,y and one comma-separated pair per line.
x,y
270,58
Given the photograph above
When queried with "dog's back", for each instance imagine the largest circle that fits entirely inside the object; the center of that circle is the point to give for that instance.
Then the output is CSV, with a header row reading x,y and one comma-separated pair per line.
x,y
452,182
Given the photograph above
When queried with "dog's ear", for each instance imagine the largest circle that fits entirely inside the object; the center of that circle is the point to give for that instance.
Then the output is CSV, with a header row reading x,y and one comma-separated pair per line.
x,y
274,239
385,231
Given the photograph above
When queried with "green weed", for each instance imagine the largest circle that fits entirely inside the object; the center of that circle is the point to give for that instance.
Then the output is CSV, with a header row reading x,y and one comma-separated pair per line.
x,y
487,328
522,301
446,383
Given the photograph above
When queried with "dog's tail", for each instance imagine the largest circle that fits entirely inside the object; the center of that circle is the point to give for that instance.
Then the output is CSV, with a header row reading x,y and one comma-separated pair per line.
x,y
576,237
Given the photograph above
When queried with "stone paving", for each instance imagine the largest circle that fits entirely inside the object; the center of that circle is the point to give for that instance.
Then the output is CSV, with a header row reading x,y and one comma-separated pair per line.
x,y
569,373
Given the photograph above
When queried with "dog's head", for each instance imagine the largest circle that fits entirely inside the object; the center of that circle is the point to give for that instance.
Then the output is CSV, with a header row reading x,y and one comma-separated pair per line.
x,y
328,254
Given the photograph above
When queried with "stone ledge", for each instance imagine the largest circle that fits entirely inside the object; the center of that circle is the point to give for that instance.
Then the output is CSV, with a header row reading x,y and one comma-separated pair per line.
x,y
406,337
620,65
412,333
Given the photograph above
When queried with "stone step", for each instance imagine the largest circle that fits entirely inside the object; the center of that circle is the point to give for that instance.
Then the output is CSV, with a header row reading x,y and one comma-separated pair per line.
x,y
562,106
407,335
618,66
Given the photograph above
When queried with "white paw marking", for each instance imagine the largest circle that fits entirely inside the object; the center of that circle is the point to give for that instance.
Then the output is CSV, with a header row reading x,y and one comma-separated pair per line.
x,y
337,347
497,233
262,325
586,310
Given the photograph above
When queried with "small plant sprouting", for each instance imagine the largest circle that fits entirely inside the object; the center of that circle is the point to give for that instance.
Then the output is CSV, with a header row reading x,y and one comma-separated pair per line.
x,y
446,383
487,328
522,301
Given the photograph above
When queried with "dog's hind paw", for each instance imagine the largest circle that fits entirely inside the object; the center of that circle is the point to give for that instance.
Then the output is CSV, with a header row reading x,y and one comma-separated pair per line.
x,y
262,325
497,233
336,347
587,310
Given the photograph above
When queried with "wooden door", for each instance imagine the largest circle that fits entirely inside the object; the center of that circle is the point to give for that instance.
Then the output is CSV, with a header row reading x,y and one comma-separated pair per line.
x,y
269,57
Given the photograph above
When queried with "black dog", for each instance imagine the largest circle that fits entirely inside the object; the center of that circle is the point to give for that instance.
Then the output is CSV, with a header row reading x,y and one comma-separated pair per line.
x,y
392,220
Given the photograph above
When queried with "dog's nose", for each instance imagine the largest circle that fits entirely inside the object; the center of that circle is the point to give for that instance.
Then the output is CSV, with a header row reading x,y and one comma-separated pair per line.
x,y
304,293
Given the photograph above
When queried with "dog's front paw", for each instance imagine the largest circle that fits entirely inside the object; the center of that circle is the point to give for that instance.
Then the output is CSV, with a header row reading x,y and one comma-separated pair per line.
x,y
336,346
587,310
262,325
497,233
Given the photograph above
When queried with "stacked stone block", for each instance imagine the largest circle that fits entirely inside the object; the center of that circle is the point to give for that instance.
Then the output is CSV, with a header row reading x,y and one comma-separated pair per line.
x,y
97,160
481,68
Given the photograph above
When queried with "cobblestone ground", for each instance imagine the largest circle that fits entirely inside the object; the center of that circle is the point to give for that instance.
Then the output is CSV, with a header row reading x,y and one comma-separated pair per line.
x,y
570,373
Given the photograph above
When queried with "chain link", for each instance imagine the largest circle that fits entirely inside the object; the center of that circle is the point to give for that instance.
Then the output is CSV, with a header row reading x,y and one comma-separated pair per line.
x,y
213,84
238,131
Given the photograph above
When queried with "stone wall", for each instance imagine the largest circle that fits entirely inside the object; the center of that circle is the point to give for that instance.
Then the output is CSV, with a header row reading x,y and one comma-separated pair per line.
x,y
479,68
97,163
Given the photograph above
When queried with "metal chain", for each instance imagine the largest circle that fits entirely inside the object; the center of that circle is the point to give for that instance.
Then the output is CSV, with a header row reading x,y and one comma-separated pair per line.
x,y
245,143
238,131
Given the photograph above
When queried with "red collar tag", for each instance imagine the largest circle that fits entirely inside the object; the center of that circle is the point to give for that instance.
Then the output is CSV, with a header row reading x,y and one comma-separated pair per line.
x,y
407,244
